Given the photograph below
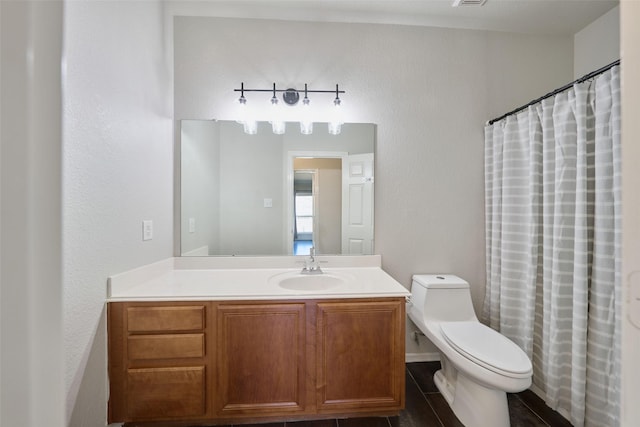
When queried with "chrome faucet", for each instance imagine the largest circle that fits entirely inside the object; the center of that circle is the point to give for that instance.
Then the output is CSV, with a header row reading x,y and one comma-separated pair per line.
x,y
311,266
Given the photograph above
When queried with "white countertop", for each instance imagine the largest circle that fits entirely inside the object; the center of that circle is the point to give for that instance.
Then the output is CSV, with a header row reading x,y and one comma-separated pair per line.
x,y
249,279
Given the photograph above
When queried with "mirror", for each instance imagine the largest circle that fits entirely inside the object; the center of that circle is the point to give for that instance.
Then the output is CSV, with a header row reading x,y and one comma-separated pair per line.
x,y
268,194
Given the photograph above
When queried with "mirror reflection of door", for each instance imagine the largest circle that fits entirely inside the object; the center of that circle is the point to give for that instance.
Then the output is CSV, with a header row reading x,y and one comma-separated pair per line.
x,y
357,202
317,205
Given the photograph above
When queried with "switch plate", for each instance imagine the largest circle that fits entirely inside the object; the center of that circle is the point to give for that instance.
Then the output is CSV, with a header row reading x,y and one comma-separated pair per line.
x,y
147,229
192,225
268,203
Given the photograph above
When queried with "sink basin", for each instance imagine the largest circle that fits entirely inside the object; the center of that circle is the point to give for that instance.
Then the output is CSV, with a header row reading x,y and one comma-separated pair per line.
x,y
308,282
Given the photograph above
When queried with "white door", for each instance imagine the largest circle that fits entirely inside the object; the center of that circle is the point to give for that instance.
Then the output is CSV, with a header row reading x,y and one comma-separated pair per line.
x,y
357,204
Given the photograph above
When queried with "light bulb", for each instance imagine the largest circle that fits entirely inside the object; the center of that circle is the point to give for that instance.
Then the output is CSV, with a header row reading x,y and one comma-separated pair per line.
x,y
277,125
306,124
335,128
242,110
335,124
250,127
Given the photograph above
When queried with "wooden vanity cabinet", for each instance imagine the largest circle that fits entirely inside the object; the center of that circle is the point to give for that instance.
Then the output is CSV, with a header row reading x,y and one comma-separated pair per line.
x,y
247,361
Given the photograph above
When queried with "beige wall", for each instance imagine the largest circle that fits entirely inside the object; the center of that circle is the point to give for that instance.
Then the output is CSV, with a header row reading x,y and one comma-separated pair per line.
x,y
117,171
630,39
598,44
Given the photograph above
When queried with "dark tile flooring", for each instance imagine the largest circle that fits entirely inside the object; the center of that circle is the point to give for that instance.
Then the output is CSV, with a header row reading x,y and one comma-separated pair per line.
x,y
425,407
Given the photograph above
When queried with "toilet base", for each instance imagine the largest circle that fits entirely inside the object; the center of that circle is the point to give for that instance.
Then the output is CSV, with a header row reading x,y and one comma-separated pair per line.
x,y
473,404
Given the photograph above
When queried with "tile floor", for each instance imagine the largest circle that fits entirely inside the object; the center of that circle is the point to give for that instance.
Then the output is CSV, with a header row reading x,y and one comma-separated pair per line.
x,y
425,407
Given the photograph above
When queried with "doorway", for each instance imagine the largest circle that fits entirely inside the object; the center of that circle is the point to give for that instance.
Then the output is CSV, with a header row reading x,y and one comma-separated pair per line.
x,y
314,193
304,183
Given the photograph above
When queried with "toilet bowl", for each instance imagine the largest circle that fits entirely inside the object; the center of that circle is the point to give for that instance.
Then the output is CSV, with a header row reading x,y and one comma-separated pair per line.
x,y
479,365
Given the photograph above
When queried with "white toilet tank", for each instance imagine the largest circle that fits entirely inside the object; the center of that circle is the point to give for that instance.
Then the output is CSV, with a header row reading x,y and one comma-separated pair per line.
x,y
441,297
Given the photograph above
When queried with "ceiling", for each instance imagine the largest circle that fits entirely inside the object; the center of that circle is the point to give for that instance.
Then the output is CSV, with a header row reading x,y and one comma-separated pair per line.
x,y
524,16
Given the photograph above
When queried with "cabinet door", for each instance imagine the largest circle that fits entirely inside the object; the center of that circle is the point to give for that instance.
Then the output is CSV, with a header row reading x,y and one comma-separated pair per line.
x,y
260,359
360,356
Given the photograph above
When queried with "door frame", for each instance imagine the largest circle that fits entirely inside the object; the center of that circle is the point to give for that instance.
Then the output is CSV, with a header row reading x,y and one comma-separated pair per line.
x,y
314,195
288,186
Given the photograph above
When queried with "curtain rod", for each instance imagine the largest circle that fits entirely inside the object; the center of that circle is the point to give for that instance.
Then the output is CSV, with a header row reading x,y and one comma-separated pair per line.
x,y
557,91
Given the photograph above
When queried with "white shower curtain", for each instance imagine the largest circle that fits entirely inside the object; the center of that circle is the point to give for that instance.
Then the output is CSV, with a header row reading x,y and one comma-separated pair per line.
x,y
552,184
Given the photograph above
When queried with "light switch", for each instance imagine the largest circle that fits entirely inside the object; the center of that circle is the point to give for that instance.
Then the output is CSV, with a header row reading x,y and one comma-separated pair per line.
x,y
192,225
268,203
147,229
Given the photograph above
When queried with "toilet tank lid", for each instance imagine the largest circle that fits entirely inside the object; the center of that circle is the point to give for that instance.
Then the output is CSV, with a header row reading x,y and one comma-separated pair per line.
x,y
435,281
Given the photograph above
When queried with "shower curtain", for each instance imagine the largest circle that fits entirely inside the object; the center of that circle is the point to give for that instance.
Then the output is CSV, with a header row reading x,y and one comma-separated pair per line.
x,y
553,235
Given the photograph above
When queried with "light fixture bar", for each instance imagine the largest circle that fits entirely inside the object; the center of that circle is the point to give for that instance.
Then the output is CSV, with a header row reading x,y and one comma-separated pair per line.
x,y
273,90
290,97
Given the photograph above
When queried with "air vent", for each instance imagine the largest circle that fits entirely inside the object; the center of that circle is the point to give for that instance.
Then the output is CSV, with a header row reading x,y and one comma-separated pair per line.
x,y
457,3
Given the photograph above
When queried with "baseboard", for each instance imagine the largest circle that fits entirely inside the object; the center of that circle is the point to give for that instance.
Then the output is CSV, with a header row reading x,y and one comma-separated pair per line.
x,y
421,357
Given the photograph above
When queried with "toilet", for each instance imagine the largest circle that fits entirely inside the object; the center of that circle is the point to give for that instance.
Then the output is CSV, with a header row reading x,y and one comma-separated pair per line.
x,y
479,365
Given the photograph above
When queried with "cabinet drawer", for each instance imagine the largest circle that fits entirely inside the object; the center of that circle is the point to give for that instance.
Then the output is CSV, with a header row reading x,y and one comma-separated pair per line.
x,y
158,393
173,346
165,319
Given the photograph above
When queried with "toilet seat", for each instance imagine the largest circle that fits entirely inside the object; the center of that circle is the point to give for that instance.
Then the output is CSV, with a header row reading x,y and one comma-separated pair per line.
x,y
487,348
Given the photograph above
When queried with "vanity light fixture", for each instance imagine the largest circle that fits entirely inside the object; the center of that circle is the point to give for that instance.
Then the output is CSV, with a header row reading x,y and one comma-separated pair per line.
x,y
290,97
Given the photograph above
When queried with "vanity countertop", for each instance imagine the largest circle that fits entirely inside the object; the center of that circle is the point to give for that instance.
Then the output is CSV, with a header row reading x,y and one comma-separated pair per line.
x,y
238,278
